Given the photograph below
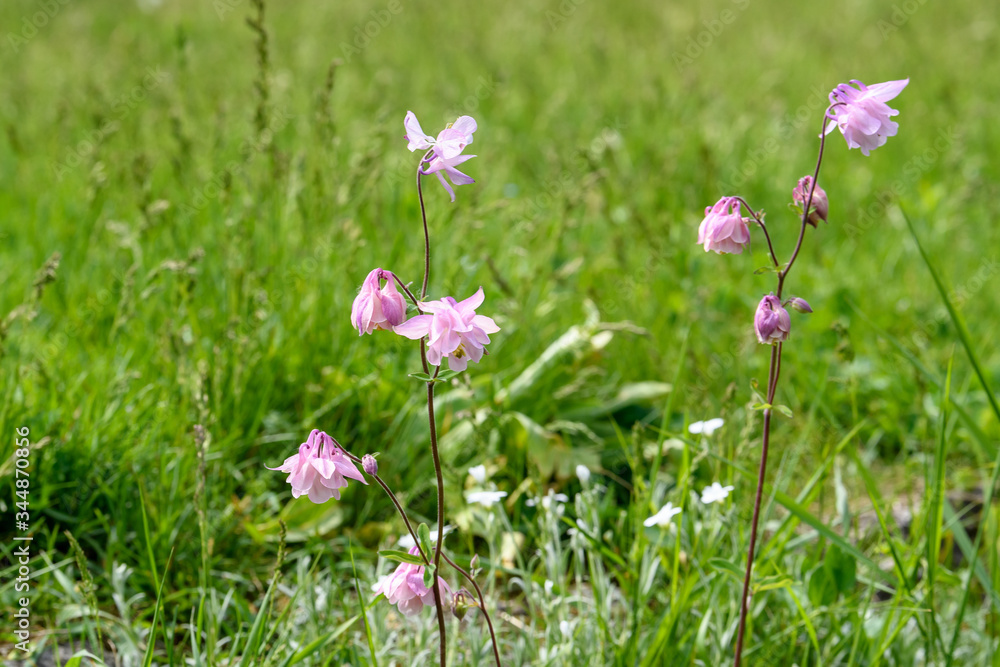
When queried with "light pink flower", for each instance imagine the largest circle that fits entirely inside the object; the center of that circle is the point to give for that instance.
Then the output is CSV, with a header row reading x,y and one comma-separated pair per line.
x,y
448,146
449,142
405,588
376,308
442,166
724,230
453,330
771,322
862,113
820,204
320,469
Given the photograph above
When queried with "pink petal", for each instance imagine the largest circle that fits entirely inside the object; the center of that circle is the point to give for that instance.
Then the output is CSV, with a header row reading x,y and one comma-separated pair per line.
x,y
415,134
415,328
883,92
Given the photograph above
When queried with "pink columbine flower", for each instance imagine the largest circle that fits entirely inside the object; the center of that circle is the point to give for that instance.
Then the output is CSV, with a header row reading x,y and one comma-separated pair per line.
x,y
405,588
724,230
448,146
820,204
771,322
449,142
862,113
453,330
320,469
376,308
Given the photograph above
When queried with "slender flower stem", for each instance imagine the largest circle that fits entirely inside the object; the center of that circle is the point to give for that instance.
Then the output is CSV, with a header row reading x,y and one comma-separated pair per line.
x,y
482,607
775,364
427,236
432,423
440,515
772,387
763,227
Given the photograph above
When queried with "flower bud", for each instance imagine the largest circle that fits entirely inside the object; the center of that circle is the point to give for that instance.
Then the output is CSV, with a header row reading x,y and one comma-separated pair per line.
x,y
461,602
723,229
799,305
474,564
771,322
369,464
820,204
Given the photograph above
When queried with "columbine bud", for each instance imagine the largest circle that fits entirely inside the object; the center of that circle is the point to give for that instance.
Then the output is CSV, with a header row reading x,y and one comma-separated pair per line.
x,y
820,204
369,464
771,322
461,602
474,564
799,305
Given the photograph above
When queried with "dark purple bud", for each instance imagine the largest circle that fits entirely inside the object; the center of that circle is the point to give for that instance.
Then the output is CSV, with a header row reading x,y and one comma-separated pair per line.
x,y
799,305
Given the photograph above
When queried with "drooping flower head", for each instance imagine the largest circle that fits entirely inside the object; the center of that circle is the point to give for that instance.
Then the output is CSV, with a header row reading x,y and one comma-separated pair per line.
x,y
771,322
319,469
405,588
820,207
862,114
448,146
375,307
724,230
453,329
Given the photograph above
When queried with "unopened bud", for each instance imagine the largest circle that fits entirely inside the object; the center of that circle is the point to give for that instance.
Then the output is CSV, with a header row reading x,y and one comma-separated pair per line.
x,y
461,602
474,564
370,465
800,305
820,204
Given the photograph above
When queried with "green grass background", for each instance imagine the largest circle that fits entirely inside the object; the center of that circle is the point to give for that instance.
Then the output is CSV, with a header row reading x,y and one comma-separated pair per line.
x,y
206,278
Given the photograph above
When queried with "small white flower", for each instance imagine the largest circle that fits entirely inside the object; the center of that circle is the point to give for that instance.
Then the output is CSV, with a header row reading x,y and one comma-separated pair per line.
x,y
663,517
485,498
565,628
714,493
583,473
406,541
706,427
549,585
546,500
478,473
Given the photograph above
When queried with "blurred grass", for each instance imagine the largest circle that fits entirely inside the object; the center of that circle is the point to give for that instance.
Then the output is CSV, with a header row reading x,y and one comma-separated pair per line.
x,y
206,277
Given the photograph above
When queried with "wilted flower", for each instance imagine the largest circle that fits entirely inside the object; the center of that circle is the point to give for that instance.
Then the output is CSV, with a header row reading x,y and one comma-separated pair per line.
x,y
448,146
583,473
800,305
663,517
478,473
707,427
714,493
319,469
820,204
405,588
771,322
369,464
453,330
862,113
724,230
376,308
485,498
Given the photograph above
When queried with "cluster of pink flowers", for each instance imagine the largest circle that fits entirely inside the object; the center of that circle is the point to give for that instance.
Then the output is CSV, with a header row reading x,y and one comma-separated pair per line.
x,y
861,114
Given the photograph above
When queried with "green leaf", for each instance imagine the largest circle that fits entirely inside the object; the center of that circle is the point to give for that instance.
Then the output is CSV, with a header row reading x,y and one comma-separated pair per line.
x,y
841,568
761,406
401,557
429,571
447,375
723,565
423,377
784,409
